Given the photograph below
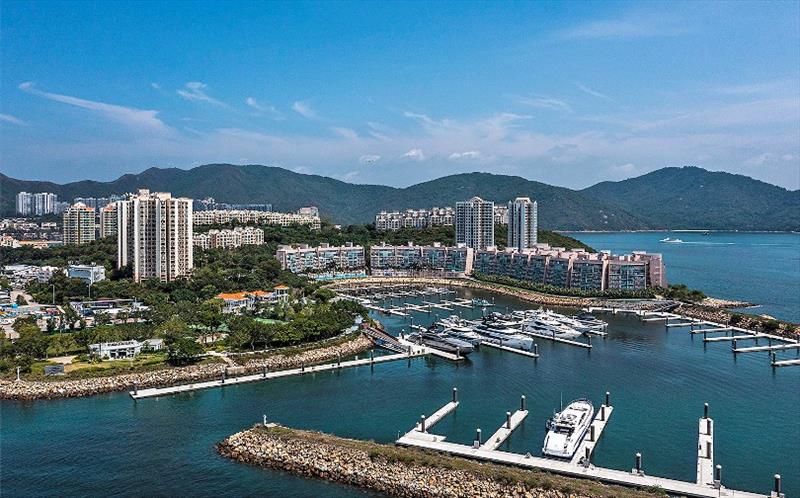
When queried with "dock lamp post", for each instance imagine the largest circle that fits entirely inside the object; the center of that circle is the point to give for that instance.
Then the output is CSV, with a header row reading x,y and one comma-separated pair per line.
x,y
637,469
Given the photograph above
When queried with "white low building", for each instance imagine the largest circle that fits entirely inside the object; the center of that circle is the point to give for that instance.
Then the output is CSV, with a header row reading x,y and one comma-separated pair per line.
x,y
124,349
90,274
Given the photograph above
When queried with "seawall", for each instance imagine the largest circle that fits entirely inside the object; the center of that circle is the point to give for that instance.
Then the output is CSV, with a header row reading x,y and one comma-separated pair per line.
x,y
31,390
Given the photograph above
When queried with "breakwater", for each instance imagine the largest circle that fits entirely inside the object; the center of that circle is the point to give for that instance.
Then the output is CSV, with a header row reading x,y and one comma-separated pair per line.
x,y
30,390
401,471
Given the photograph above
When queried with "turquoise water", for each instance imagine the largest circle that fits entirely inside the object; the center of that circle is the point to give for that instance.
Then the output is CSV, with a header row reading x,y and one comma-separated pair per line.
x,y
762,268
658,380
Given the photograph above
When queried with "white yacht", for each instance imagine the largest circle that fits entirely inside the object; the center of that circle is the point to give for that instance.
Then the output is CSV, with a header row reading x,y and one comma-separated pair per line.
x,y
569,322
504,336
566,429
544,325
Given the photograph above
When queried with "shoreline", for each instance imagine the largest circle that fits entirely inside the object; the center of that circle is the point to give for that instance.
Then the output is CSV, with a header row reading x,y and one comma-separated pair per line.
x,y
56,389
405,472
700,311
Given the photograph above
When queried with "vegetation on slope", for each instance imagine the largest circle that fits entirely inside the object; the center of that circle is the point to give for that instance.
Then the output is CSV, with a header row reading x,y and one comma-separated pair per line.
x,y
668,198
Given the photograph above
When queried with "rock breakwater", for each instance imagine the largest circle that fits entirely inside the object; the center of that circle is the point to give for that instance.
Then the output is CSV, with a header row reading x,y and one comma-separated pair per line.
x,y
401,472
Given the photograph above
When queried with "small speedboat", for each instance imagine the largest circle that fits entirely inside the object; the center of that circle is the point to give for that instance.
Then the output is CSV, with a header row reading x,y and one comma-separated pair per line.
x,y
567,428
671,241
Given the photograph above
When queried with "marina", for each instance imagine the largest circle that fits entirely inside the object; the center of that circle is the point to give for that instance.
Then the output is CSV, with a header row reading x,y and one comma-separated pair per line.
x,y
637,360
420,437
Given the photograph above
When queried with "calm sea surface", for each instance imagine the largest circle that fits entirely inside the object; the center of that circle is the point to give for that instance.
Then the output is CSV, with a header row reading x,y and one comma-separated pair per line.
x,y
762,268
658,379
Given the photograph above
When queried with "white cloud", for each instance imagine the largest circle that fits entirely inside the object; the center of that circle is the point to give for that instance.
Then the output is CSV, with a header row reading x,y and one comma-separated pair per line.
x,y
545,103
8,118
470,154
593,93
415,154
267,109
367,159
129,116
304,109
155,86
624,28
345,132
196,91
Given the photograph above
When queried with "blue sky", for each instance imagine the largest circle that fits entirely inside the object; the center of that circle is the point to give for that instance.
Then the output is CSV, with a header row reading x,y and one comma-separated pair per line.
x,y
396,93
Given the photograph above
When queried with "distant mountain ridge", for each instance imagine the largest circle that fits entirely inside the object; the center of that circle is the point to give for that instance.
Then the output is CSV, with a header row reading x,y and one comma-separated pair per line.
x,y
687,197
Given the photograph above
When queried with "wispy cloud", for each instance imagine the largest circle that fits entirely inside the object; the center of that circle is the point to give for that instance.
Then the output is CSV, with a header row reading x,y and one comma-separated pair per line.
x,y
414,154
545,103
303,108
627,27
594,93
8,118
196,91
470,154
129,116
264,108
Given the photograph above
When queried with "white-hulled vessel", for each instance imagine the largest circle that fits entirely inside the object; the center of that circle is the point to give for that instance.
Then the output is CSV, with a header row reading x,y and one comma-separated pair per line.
x,y
566,429
455,326
543,325
503,336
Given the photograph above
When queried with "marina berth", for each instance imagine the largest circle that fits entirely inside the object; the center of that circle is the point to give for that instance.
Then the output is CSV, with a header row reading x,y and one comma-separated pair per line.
x,y
566,429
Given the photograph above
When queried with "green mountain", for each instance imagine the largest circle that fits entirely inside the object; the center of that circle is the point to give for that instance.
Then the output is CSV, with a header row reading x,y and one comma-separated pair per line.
x,y
668,198
691,197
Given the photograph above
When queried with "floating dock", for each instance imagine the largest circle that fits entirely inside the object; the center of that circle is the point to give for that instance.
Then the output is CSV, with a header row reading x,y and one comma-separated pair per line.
x,y
634,478
734,338
504,432
705,450
530,354
777,347
583,455
244,379
786,363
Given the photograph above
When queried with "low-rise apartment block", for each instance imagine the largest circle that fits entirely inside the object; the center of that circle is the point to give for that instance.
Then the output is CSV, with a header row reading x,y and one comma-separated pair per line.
x,y
217,216
324,262
227,238
413,260
575,268
414,218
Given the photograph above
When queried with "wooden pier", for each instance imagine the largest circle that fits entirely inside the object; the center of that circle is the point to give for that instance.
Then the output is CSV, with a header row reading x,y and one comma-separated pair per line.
x,y
266,375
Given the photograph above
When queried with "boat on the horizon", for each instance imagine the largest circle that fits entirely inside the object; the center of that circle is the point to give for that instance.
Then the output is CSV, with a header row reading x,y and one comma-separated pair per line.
x,y
567,428
671,241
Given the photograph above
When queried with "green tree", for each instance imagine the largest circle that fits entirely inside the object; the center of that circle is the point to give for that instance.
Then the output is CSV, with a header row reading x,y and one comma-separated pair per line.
x,y
32,342
21,300
183,351
174,330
